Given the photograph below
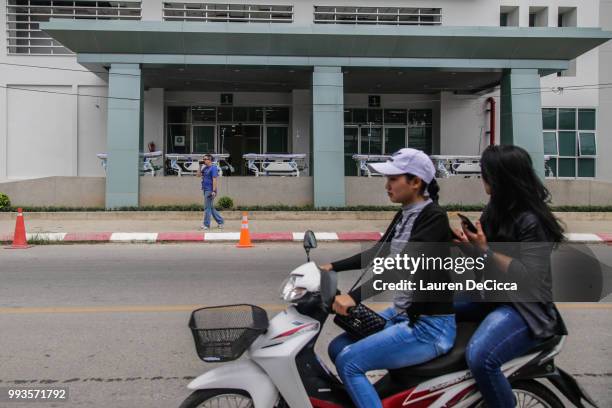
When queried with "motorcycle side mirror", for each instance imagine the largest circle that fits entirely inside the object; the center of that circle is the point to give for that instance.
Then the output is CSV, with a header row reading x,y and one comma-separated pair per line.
x,y
310,242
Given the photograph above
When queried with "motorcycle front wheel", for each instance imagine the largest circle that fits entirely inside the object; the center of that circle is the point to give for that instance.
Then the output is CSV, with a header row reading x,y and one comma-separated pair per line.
x,y
218,398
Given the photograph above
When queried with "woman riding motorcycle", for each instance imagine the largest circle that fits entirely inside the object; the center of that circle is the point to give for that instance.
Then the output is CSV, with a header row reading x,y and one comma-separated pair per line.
x,y
517,216
420,325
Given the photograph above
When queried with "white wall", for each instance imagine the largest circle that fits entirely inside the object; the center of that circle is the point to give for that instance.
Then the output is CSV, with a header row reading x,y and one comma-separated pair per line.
x,y
43,113
92,117
604,117
154,114
40,132
464,122
151,10
300,122
39,129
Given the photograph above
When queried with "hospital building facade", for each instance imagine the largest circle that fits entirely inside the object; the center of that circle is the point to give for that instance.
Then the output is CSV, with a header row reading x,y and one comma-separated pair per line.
x,y
86,83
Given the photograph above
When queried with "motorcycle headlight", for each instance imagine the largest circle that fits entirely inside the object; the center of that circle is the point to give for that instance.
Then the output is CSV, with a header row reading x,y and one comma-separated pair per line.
x,y
289,291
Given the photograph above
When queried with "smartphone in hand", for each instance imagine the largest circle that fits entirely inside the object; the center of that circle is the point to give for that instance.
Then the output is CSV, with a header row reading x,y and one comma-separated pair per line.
x,y
468,224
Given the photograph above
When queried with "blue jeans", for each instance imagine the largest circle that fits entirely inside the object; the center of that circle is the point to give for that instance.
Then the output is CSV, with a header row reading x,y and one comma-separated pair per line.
x,y
397,345
502,336
209,209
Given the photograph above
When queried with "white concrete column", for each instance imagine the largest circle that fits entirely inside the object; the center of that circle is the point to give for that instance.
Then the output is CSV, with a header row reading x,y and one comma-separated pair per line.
x,y
524,15
553,15
152,10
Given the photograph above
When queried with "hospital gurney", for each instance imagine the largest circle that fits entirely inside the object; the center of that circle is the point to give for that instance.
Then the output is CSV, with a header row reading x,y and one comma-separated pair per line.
x,y
449,166
146,166
188,164
364,159
273,164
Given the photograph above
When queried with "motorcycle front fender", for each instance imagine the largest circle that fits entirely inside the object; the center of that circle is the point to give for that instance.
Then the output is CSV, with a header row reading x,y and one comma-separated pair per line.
x,y
243,375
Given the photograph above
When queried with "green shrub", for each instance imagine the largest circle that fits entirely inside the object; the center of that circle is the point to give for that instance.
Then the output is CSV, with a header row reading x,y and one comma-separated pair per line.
x,y
5,203
225,203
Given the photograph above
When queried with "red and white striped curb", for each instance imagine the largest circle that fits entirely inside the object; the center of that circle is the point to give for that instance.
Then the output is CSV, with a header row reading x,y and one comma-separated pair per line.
x,y
151,237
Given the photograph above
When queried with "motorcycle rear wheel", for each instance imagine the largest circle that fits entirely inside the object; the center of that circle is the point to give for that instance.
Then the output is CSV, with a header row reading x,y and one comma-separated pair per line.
x,y
531,394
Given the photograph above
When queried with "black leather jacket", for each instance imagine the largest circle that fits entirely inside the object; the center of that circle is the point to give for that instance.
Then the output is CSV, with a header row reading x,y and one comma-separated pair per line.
x,y
531,265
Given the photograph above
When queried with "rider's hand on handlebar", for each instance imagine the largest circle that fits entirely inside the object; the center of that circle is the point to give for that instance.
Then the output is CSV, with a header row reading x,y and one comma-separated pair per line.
x,y
342,303
326,267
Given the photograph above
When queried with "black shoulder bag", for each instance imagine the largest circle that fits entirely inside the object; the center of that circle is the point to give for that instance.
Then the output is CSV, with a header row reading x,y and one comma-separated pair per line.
x,y
362,321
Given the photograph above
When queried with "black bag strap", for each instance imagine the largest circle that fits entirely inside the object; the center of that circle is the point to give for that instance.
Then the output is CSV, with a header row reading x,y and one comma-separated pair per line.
x,y
403,227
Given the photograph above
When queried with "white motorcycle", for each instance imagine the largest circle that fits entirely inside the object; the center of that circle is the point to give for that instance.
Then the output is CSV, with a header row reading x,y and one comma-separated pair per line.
x,y
282,369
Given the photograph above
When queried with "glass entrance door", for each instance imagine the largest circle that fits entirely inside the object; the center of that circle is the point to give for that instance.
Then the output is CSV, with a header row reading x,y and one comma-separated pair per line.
x,y
395,139
351,147
277,139
371,140
203,139
238,140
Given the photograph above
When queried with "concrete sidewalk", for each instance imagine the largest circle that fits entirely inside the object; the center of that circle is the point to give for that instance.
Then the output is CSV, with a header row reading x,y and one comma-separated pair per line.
x,y
178,237
259,221
263,226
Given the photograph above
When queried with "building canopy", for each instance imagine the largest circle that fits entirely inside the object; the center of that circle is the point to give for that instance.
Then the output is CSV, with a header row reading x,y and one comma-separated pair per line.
x,y
346,45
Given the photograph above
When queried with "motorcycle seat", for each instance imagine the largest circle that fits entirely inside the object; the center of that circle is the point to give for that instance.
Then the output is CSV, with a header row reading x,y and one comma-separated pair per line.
x,y
450,362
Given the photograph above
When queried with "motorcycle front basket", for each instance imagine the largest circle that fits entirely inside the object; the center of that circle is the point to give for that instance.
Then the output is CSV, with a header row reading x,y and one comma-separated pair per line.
x,y
223,333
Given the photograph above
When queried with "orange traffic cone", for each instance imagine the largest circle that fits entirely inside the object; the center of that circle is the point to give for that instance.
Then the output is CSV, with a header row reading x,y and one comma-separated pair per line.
x,y
19,239
245,237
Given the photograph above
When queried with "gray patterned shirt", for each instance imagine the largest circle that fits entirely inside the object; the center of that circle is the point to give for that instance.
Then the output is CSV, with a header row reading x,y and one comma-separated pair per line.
x,y
403,229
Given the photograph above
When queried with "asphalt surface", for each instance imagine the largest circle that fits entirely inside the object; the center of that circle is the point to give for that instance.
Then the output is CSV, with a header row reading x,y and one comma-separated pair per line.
x,y
110,321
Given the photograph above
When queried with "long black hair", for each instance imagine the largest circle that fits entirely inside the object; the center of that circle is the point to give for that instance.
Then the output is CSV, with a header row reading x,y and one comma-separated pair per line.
x,y
432,188
515,188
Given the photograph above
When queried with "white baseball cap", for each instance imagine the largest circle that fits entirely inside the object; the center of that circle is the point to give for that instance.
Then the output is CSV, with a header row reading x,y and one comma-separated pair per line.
x,y
407,161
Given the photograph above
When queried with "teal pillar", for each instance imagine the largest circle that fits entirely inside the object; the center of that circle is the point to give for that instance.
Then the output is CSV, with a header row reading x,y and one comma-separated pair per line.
x,y
124,137
328,137
521,114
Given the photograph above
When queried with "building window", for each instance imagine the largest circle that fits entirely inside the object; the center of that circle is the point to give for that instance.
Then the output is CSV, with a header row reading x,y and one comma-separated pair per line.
x,y
568,17
384,131
377,15
228,13
570,142
191,129
419,129
508,16
503,19
24,16
538,16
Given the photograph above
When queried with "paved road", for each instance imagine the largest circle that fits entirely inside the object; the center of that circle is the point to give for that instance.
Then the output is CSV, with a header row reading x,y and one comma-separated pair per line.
x,y
110,321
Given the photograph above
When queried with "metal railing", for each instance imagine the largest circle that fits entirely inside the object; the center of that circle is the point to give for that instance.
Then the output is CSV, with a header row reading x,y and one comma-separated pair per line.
x,y
377,15
244,13
23,18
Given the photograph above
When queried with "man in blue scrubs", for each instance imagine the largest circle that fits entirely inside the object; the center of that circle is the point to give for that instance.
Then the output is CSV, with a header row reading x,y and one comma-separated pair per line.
x,y
210,174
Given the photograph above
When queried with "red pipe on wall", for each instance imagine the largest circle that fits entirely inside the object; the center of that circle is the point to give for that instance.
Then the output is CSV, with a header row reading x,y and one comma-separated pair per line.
x,y
492,103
